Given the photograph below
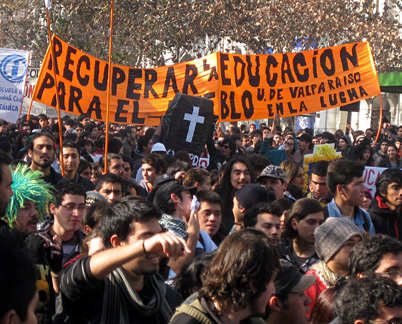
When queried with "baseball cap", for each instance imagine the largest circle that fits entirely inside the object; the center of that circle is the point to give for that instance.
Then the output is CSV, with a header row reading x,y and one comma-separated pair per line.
x,y
289,279
164,191
273,171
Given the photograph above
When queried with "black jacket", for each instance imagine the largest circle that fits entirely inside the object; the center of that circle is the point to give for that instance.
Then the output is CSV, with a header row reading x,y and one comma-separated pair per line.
x,y
385,221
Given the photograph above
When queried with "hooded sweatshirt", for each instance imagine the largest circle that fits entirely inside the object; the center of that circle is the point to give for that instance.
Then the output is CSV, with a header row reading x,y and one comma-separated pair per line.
x,y
385,220
275,156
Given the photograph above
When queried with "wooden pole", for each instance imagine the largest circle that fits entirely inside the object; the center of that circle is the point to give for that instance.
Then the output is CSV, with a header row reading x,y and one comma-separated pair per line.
x,y
109,80
57,92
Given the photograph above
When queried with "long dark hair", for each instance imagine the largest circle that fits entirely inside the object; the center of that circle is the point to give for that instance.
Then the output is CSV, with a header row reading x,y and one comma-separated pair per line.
x,y
300,210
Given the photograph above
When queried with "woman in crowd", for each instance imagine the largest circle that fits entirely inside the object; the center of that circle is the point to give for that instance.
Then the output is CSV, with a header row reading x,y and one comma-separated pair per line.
x,y
366,156
199,178
294,173
391,160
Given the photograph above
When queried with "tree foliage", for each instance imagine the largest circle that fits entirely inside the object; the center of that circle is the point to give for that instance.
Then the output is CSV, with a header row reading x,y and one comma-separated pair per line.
x,y
157,32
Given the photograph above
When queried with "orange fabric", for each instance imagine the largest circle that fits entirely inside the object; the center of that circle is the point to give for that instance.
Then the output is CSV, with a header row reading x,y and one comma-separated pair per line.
x,y
242,87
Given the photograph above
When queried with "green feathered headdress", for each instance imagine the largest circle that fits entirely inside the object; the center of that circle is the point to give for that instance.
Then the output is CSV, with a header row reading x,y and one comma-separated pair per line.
x,y
28,185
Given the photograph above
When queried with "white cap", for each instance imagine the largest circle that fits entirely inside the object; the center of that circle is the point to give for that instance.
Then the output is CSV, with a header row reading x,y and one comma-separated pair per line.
x,y
158,147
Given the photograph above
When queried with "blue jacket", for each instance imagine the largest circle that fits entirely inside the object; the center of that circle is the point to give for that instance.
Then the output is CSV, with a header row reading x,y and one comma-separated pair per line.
x,y
360,217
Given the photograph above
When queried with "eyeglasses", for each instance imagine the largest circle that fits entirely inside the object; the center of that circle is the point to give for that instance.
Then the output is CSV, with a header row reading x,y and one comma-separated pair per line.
x,y
225,147
71,208
398,321
393,274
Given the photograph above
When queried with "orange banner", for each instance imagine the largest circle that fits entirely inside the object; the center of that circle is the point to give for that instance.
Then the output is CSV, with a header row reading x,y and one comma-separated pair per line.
x,y
242,86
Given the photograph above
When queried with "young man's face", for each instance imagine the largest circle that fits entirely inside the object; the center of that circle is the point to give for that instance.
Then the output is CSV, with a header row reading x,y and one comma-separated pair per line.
x,y
147,148
27,218
127,170
275,184
343,145
341,257
71,159
43,123
259,305
70,213
384,147
116,167
149,173
265,133
296,309
306,226
393,195
42,154
303,146
390,266
271,226
6,192
353,193
240,175
111,191
183,205
210,217
318,186
86,121
399,132
145,264
94,133
246,141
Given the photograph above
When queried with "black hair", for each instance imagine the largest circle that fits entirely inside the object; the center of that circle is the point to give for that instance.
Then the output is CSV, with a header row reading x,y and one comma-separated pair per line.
x,y
37,135
300,210
5,159
251,214
143,141
156,161
342,172
386,178
210,197
364,299
189,278
68,187
114,146
108,178
17,275
366,256
94,213
120,216
70,144
320,168
84,164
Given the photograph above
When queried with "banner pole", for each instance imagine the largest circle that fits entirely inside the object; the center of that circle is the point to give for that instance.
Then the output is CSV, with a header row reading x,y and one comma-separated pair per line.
x,y
57,92
109,80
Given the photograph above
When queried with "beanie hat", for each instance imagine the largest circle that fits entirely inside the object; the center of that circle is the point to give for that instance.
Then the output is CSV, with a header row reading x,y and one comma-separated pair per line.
x,y
93,197
330,236
251,194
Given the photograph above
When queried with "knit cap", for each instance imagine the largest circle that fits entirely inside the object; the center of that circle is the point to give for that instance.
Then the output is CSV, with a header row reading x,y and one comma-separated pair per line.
x,y
330,236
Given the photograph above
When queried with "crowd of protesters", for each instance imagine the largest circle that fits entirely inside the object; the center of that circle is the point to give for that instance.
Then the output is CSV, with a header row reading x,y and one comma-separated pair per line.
x,y
148,238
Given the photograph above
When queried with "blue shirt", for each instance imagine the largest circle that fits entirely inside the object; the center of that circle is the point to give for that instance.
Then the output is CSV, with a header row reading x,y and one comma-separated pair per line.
x,y
358,216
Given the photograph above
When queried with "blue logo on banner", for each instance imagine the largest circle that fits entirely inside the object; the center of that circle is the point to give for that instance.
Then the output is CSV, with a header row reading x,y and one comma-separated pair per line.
x,y
14,68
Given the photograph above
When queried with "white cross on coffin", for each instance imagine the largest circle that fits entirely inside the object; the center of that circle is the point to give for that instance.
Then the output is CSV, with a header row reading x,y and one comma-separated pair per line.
x,y
193,118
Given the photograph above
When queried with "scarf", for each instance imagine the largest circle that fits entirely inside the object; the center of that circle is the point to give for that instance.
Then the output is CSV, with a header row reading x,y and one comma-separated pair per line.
x,y
114,310
174,225
325,274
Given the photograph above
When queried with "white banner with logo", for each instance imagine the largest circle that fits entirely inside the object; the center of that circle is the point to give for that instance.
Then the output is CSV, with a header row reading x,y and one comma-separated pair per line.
x,y
13,73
